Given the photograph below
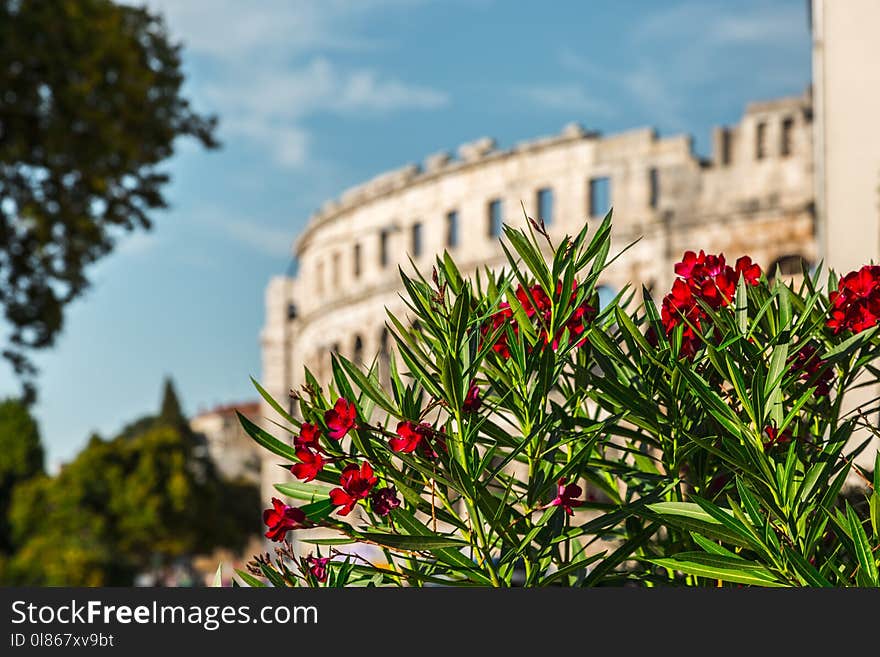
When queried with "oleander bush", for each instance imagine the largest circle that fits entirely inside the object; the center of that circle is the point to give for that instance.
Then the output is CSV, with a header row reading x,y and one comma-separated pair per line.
x,y
524,435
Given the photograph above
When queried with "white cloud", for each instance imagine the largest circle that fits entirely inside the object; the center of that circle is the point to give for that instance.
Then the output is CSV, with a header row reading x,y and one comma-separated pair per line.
x,y
270,106
266,67
231,29
717,25
254,233
322,86
572,98
641,85
287,142
265,239
697,44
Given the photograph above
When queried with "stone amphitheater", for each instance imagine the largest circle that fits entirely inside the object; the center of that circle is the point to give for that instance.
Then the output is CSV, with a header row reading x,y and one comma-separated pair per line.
x,y
754,195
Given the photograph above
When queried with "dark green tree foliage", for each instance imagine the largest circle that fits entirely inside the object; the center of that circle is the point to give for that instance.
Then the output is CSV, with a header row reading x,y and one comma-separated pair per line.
x,y
21,456
170,412
121,506
90,105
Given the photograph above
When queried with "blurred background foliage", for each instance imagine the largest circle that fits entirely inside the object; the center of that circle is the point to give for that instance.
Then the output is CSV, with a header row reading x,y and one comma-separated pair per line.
x,y
91,105
123,506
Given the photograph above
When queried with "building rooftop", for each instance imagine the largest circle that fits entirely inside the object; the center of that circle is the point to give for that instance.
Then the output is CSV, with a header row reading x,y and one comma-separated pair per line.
x,y
224,410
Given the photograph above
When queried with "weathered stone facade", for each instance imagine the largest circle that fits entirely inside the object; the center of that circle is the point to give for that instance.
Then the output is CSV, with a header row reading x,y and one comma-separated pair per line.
x,y
754,195
234,453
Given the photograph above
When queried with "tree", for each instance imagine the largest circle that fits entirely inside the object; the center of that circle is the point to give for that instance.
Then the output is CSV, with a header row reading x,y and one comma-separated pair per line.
x,y
91,106
22,456
170,412
121,506
147,495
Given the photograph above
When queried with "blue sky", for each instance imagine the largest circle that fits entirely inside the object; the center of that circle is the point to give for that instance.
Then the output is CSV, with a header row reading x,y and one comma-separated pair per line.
x,y
316,96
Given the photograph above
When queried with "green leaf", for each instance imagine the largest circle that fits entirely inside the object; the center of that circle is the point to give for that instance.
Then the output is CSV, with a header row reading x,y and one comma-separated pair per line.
x,y
274,404
412,543
574,566
742,306
303,491
368,386
777,368
717,566
343,540
848,343
459,562
805,570
714,403
267,440
784,307
874,505
249,579
273,576
530,256
218,576
318,511
692,517
867,566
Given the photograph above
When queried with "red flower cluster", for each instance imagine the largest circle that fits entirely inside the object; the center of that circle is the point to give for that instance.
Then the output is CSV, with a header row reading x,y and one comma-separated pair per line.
x,y
807,362
536,303
775,437
281,519
356,482
708,278
855,305
340,419
308,451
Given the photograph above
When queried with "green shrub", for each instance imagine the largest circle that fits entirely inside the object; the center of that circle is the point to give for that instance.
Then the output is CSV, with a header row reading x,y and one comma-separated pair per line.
x,y
526,436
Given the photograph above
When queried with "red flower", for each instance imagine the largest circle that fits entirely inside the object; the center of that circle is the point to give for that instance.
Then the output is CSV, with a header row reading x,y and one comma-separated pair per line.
x,y
538,305
318,567
750,271
308,437
311,464
774,437
719,290
432,438
281,519
472,400
340,419
855,305
687,264
409,435
356,485
497,321
680,307
577,324
566,496
813,369
383,500
708,278
542,303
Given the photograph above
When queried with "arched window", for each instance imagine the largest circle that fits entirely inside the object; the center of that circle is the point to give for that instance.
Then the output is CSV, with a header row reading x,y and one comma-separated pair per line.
x,y
384,358
357,351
